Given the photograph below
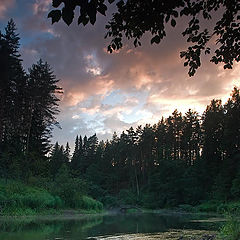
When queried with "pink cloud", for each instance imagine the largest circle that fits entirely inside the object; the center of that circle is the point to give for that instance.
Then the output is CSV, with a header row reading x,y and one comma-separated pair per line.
x,y
78,57
41,6
4,6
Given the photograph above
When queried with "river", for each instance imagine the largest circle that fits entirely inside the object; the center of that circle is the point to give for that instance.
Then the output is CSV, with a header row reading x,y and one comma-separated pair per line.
x,y
109,226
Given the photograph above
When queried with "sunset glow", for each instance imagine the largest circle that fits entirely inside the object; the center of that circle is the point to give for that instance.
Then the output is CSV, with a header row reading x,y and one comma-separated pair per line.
x,y
106,92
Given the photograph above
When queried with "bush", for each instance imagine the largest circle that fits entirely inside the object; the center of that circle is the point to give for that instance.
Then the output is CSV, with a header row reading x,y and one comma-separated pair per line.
x,y
39,200
69,189
89,203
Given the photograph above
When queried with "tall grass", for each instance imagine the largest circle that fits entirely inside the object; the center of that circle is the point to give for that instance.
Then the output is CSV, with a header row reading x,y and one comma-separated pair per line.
x,y
19,199
89,203
231,229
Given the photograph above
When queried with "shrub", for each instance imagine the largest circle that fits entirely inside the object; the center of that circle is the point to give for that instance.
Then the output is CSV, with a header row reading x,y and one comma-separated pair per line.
x,y
39,200
89,203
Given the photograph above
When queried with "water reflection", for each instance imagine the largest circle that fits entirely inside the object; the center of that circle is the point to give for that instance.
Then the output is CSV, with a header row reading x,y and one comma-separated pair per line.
x,y
81,228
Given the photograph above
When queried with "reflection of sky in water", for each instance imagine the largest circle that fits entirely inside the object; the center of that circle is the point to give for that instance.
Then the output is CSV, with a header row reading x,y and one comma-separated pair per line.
x,y
78,229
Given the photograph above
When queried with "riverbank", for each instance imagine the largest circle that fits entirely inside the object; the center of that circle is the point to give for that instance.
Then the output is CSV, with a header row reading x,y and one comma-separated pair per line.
x,y
19,199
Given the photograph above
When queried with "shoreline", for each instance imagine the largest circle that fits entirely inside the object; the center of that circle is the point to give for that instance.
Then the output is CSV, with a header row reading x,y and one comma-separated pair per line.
x,y
71,214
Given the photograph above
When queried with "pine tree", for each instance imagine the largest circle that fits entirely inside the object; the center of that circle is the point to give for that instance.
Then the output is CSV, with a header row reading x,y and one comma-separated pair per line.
x,y
43,107
191,138
67,153
212,127
12,85
12,97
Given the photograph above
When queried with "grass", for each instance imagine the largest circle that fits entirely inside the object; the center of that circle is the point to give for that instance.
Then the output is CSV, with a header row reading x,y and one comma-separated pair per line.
x,y
231,229
18,199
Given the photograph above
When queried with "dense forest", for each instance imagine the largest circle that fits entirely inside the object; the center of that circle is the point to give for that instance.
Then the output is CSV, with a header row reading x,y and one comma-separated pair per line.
x,y
183,159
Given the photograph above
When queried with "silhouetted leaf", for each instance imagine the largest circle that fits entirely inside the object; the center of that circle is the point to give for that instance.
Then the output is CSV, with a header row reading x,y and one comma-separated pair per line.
x,y
55,15
133,19
227,66
156,39
135,42
56,3
92,11
109,49
120,4
207,51
167,18
83,19
175,14
113,46
102,8
67,15
173,22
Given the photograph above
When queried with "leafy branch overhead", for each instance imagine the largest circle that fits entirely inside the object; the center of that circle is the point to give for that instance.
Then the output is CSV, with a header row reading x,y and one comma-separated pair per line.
x,y
132,19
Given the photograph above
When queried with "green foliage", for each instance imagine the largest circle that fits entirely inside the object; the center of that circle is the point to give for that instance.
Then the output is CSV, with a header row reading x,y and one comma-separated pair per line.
x,y
231,229
231,208
89,203
69,189
19,199
110,201
208,206
127,197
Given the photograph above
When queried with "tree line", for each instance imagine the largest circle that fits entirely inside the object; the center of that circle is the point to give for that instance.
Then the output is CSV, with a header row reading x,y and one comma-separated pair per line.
x,y
183,159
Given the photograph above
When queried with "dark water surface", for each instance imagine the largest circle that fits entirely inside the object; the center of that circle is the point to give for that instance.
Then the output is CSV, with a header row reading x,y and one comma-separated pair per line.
x,y
105,225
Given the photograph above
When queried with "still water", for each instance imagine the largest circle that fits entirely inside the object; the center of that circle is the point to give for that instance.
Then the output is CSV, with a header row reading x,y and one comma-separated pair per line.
x,y
111,226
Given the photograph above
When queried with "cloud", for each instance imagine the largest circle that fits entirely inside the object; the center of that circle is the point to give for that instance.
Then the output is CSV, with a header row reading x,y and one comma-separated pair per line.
x,y
4,6
109,92
41,6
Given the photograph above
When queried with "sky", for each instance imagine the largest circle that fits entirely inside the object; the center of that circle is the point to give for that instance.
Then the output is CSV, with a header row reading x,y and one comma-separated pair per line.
x,y
106,93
